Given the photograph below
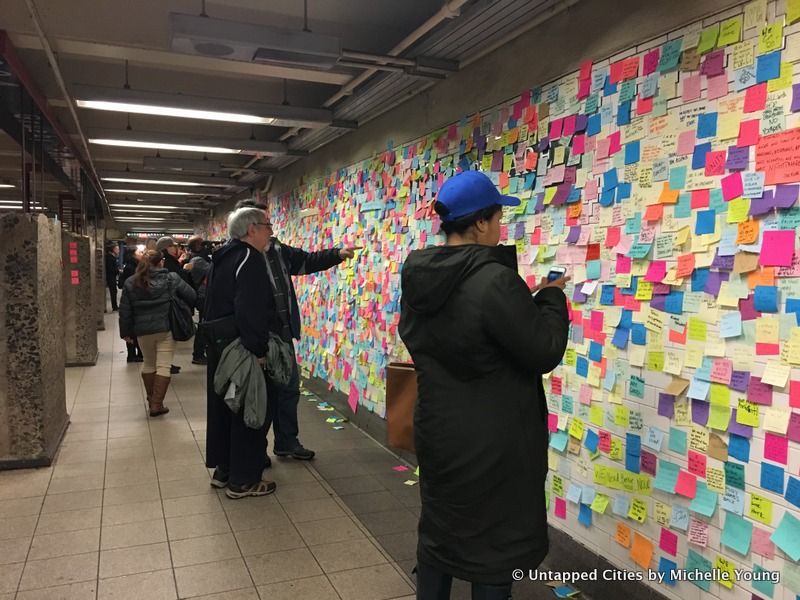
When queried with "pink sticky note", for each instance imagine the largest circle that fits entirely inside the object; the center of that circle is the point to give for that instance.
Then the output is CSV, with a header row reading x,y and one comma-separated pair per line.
x,y
352,398
777,248
615,144
749,133
400,468
697,463
651,61
687,484
555,128
758,392
794,393
585,395
656,271
715,163
668,542
597,320
569,125
586,69
755,98
732,186
691,88
584,88
623,264
552,422
717,86
561,508
686,140
793,433
579,144
776,447
761,543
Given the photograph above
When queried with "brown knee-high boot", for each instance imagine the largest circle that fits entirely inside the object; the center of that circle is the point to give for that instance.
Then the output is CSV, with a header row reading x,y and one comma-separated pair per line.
x,y
160,386
149,379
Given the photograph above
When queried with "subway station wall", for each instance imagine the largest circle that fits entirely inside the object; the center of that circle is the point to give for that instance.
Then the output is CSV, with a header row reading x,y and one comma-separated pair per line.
x,y
666,179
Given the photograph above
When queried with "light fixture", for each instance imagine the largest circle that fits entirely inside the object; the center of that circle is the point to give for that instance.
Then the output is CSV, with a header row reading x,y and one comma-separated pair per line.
x,y
139,219
160,211
162,206
171,179
162,146
149,181
6,185
154,192
167,111
11,202
169,141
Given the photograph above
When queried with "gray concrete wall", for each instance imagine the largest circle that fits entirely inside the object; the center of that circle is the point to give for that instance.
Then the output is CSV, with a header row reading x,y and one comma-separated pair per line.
x,y
32,396
592,29
80,317
97,243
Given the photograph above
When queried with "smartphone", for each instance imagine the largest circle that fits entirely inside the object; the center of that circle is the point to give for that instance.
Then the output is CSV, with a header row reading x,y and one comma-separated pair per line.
x,y
556,273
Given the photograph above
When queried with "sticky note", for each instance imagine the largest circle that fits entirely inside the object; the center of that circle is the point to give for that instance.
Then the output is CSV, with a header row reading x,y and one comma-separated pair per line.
x,y
777,248
787,536
737,533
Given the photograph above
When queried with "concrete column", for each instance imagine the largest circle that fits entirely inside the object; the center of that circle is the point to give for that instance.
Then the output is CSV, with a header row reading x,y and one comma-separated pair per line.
x,y
80,328
96,238
33,413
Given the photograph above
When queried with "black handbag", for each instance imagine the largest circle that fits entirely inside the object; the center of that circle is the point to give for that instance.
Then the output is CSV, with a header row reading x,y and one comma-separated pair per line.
x,y
180,317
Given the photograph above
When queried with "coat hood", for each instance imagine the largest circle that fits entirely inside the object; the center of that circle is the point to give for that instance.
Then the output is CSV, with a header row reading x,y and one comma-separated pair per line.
x,y
230,251
429,276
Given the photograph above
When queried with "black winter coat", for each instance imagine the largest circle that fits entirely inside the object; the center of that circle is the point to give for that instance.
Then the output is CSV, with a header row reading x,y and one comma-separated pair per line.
x,y
480,343
172,265
143,311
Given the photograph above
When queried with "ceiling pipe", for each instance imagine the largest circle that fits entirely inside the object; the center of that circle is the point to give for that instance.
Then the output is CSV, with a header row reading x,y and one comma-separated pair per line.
x,y
51,59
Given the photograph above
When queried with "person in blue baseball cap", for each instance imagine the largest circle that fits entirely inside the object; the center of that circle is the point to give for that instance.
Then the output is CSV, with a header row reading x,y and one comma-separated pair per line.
x,y
480,343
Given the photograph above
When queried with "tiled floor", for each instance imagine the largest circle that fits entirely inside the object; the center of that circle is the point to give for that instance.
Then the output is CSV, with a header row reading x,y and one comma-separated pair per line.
x,y
127,511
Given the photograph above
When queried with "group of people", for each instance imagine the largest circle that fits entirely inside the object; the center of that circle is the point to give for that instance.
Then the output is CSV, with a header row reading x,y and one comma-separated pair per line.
x,y
480,340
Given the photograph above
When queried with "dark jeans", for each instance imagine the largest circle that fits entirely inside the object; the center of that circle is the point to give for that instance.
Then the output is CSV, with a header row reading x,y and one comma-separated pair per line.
x,y
231,446
199,348
112,290
432,584
282,412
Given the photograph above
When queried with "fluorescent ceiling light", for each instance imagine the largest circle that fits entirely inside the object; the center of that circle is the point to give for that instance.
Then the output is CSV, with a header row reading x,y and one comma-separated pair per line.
x,y
168,111
10,201
154,192
162,206
162,146
139,219
6,185
207,181
159,211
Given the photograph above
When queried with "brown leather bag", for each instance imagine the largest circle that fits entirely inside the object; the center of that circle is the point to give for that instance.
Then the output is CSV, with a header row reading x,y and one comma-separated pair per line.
x,y
401,398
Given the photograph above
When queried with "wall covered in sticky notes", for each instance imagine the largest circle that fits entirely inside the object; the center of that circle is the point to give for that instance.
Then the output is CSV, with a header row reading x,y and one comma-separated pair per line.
x,y
666,180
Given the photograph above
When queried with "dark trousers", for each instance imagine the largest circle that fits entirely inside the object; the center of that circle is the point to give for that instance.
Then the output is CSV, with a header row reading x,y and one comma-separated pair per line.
x,y
112,289
199,348
282,412
133,349
432,584
231,446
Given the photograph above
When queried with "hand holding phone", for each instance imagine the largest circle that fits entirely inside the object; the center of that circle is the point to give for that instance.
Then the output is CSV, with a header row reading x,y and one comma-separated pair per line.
x,y
556,273
557,277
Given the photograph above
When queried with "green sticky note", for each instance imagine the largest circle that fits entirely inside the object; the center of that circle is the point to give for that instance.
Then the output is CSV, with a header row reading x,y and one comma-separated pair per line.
x,y
762,583
677,440
708,39
787,536
790,577
705,500
696,562
730,31
737,533
666,476
719,417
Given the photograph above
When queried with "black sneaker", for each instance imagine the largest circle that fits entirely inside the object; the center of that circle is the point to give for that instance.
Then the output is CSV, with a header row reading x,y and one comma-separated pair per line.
x,y
174,369
267,462
200,361
260,488
219,479
298,453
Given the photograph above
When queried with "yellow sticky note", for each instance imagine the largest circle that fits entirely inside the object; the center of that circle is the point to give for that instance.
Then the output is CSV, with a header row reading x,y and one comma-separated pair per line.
x,y
549,194
743,55
576,428
697,329
622,416
792,11
616,450
638,510
597,415
738,210
725,566
720,394
719,417
760,509
600,503
644,291
771,37
655,361
783,81
730,31
558,486
715,479
747,413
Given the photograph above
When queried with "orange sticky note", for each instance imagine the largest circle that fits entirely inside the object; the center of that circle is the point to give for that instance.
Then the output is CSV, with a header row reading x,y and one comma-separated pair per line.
x,y
642,551
685,265
668,196
748,232
766,276
654,212
575,210
623,536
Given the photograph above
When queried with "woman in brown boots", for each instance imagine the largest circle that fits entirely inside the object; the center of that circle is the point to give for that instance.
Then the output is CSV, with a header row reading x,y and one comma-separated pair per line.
x,y
144,313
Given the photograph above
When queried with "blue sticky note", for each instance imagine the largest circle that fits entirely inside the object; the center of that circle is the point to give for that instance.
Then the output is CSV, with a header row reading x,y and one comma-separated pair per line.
x,y
594,269
793,491
626,319
730,324
607,197
697,562
582,366
737,534
677,178
699,279
787,536
683,208
595,351
623,191
766,298
698,389
673,303
706,221
733,500
763,583
734,475
705,500
666,476
610,179
679,518
639,334
793,306
609,89
677,440
633,444
667,567
622,505
739,447
594,125
591,441
623,114
588,494
620,339
772,478
699,155
768,66
706,125
574,493
559,440
632,152
607,295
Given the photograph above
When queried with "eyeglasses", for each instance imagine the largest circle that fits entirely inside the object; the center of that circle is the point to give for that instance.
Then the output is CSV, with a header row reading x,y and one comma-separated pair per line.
x,y
269,225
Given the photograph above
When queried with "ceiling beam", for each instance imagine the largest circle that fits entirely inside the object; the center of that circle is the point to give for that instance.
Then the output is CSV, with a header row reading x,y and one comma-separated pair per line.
x,y
165,59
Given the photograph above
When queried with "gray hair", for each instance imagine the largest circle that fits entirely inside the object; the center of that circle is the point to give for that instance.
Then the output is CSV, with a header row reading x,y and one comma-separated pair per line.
x,y
241,218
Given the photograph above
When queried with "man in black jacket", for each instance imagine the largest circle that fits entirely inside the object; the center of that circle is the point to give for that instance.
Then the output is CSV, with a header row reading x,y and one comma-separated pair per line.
x,y
283,262
167,246
112,272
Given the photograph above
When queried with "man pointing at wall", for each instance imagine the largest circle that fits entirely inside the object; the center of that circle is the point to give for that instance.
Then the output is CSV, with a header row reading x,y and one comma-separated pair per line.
x,y
282,263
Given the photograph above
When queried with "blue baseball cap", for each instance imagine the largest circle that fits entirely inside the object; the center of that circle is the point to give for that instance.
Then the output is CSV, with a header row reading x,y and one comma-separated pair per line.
x,y
468,192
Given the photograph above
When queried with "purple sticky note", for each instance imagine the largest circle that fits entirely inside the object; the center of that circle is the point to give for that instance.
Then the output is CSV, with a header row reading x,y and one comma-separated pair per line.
x,y
577,334
661,288
666,405
761,206
578,297
497,161
714,63
714,282
743,430
543,145
539,203
519,231
659,303
700,411
793,432
722,262
795,97
563,190
739,380
574,234
738,158
648,462
580,123
758,392
786,195
748,309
